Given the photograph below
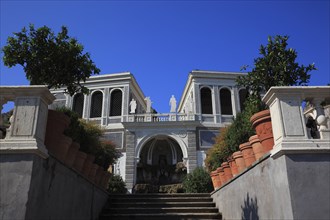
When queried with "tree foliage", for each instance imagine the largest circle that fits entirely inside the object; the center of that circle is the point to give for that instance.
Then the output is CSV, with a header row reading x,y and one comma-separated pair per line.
x,y
277,66
48,59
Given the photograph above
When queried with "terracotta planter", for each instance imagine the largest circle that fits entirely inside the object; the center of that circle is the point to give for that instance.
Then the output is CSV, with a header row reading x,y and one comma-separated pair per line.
x,y
257,147
239,160
79,161
92,172
88,164
98,175
262,123
106,178
222,176
71,155
233,166
248,154
227,171
60,147
215,180
57,122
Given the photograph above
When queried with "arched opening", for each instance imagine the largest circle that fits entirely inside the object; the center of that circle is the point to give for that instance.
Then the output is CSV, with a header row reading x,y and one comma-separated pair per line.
x,y
116,103
206,100
161,162
96,104
78,104
243,94
225,102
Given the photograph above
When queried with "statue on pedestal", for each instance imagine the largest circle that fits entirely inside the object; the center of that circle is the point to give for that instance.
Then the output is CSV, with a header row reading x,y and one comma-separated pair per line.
x,y
173,104
133,106
148,101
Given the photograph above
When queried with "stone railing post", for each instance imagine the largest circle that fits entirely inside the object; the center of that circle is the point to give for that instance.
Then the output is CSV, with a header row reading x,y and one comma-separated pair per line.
x,y
29,120
288,120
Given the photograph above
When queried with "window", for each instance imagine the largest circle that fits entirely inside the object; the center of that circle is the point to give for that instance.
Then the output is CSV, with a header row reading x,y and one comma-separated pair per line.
x,y
206,100
225,102
78,104
243,94
96,104
116,103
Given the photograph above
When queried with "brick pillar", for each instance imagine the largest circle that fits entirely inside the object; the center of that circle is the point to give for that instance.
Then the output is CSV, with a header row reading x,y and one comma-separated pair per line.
x,y
130,159
192,153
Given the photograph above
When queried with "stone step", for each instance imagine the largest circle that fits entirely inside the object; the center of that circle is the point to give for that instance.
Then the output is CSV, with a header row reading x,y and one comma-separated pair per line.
x,y
149,210
160,204
160,199
162,216
162,195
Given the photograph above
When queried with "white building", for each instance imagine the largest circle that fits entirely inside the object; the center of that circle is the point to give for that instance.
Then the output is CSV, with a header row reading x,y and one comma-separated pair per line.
x,y
210,100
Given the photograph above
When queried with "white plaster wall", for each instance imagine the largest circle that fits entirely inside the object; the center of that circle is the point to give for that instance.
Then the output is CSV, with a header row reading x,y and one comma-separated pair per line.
x,y
120,166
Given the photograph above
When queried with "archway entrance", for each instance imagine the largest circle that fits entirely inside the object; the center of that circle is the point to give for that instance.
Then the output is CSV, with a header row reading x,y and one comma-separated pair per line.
x,y
161,162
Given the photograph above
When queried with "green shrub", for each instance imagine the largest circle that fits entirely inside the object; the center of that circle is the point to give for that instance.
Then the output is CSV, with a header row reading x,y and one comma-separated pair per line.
x,y
199,181
116,185
106,154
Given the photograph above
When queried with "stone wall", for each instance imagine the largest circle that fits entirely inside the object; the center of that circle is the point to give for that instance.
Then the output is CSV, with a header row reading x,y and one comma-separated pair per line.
x,y
35,188
289,187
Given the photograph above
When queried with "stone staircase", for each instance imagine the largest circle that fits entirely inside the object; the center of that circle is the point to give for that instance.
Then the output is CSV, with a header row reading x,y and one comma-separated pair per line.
x,y
160,206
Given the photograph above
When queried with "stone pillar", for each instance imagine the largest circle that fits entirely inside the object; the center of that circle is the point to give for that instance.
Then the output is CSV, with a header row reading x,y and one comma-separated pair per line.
x,y
288,120
216,107
130,160
192,151
28,123
126,101
87,106
197,99
234,94
105,106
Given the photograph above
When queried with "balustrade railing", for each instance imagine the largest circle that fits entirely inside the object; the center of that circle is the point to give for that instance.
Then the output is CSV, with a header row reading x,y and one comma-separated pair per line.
x,y
160,117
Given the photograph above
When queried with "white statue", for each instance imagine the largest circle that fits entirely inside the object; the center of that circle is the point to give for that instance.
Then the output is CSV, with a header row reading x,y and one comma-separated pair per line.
x,y
133,106
148,101
173,104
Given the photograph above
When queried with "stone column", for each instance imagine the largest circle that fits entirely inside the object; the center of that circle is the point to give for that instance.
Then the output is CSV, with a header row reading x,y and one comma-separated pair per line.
x,y
192,151
105,107
216,107
130,160
234,94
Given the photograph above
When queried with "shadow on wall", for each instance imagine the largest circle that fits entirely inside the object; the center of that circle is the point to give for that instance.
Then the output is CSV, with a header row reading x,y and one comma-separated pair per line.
x,y
250,208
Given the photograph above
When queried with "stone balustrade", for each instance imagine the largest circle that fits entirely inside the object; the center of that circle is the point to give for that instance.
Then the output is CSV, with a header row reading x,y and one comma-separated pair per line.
x,y
289,120
160,117
27,129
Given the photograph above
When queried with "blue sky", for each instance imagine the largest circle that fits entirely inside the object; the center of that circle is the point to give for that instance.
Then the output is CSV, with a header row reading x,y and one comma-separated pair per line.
x,y
160,42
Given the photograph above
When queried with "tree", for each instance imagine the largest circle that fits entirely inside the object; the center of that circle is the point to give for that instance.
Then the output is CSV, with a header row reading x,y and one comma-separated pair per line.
x,y
48,59
277,66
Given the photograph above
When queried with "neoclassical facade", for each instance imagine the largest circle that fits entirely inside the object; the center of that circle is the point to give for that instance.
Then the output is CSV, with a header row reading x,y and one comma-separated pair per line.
x,y
210,100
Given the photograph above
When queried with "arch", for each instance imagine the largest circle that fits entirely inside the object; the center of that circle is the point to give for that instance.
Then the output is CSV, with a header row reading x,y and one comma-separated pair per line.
x,y
206,100
243,94
96,104
146,139
116,102
78,104
225,102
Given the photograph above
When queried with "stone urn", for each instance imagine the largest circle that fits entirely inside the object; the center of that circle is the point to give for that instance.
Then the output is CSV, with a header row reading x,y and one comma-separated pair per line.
x,y
239,160
233,166
257,147
79,161
262,123
222,176
248,154
88,165
227,171
71,155
215,180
